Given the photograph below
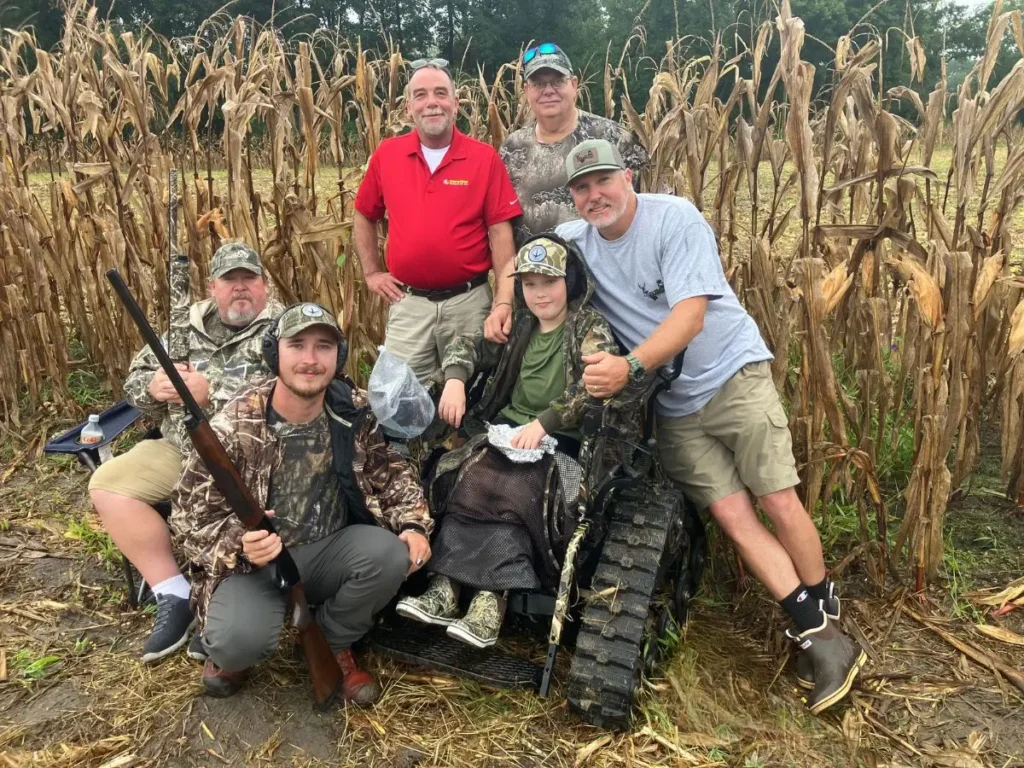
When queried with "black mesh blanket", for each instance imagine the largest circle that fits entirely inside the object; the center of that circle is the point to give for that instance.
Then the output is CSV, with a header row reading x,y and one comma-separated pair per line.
x,y
496,532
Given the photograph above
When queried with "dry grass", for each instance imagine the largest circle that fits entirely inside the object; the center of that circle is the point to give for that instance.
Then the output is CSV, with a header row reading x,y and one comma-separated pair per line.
x,y
725,698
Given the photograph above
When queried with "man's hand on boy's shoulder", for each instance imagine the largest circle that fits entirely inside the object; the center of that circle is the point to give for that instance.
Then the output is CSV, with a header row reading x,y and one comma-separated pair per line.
x,y
498,324
605,375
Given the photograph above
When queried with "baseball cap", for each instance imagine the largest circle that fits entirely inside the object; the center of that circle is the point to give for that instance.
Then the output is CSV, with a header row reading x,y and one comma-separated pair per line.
x,y
546,56
235,256
298,318
542,256
593,155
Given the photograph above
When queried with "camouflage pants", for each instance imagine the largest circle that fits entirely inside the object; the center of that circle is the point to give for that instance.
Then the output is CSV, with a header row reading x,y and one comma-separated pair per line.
x,y
351,575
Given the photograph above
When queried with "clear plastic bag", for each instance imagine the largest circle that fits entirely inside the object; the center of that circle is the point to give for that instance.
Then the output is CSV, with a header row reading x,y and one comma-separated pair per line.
x,y
401,404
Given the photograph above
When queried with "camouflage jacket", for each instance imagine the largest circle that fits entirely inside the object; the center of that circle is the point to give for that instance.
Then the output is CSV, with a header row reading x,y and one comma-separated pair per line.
x,y
586,333
210,535
538,171
229,368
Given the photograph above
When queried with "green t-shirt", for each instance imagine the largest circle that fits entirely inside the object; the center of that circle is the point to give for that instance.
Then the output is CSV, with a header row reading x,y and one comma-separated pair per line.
x,y
541,378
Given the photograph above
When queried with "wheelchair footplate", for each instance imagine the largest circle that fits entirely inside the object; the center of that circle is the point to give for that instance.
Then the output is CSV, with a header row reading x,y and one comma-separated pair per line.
x,y
415,643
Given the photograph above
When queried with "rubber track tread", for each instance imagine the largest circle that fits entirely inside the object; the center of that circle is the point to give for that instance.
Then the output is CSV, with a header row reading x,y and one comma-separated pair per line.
x,y
606,664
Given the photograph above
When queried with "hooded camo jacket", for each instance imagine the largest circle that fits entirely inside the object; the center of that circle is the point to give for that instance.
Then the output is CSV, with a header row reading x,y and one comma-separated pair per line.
x,y
210,535
586,333
229,368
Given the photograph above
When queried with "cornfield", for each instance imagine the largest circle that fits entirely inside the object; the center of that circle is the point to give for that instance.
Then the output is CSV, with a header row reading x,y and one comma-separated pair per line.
x,y
889,291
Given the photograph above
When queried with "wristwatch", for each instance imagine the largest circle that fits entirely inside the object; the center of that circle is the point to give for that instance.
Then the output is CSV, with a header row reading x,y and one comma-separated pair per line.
x,y
636,368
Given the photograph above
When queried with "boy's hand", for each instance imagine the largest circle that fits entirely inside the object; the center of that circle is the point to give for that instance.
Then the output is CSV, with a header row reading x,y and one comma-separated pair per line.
x,y
260,547
529,437
605,375
452,406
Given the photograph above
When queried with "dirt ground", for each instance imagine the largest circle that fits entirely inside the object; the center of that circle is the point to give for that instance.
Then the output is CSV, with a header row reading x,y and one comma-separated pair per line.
x,y
73,691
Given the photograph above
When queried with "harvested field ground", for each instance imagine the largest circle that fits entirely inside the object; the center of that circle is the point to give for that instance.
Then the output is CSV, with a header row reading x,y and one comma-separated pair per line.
x,y
74,693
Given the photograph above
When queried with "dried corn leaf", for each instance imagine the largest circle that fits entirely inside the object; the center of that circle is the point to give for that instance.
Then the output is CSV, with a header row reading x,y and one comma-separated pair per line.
x,y
986,279
1016,341
1001,634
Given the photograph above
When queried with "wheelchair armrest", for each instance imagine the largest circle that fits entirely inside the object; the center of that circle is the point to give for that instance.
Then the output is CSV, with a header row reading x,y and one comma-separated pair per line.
x,y
113,421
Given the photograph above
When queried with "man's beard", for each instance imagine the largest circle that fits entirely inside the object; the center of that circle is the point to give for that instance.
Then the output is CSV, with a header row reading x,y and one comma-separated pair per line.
x,y
608,216
306,390
433,130
241,316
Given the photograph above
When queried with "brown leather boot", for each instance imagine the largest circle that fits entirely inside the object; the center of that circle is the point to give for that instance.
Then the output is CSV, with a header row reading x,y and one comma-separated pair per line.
x,y
358,686
220,683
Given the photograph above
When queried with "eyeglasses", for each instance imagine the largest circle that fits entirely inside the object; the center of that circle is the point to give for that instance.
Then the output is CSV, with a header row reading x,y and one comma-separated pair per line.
x,y
437,63
543,48
558,83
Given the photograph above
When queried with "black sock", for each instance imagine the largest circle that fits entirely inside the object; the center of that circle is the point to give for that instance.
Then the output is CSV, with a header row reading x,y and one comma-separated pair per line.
x,y
819,591
803,609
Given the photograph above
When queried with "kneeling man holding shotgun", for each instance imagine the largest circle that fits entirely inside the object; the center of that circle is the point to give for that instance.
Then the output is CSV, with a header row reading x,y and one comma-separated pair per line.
x,y
346,514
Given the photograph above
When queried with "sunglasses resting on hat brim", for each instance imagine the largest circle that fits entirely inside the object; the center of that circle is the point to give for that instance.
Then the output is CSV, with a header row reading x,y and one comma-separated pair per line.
x,y
543,48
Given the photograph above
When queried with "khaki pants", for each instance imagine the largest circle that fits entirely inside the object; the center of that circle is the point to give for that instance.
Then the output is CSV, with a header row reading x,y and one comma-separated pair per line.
x,y
419,330
739,440
147,472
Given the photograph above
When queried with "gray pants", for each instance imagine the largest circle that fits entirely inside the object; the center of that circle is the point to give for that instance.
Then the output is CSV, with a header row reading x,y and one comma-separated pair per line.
x,y
351,575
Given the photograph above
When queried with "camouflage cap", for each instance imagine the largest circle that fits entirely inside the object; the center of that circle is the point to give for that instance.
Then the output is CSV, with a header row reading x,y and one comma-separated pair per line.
x,y
235,256
593,155
298,318
546,56
541,256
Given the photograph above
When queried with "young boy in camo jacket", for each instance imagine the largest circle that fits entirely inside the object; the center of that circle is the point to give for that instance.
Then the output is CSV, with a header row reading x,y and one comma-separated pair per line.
x,y
536,384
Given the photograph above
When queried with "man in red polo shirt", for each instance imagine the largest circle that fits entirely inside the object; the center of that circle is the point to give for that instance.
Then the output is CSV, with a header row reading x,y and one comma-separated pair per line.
x,y
450,206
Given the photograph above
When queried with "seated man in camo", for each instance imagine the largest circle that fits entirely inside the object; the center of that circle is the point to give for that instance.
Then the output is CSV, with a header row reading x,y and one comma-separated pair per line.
x,y
224,336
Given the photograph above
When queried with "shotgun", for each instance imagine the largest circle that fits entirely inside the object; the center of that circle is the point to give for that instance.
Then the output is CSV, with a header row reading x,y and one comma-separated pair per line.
x,y
178,288
323,667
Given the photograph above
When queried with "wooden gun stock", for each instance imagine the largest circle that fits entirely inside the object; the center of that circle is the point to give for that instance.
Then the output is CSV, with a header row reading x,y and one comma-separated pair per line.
x,y
323,667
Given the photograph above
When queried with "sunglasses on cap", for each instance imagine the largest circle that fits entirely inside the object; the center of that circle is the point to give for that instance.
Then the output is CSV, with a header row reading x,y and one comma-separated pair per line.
x,y
543,48
420,63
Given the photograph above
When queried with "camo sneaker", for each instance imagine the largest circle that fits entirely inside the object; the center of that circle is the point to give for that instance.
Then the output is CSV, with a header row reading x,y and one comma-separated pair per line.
x,y
438,605
479,627
174,621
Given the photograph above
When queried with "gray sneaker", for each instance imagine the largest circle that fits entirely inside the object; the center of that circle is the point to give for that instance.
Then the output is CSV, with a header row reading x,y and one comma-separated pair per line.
x,y
195,648
174,621
438,605
479,627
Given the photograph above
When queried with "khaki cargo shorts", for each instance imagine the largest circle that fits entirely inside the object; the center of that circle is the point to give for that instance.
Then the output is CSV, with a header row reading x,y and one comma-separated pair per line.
x,y
739,439
147,472
419,330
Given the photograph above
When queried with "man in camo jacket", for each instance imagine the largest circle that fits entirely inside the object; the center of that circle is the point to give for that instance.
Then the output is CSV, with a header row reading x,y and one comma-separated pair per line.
x,y
348,507
225,332
535,154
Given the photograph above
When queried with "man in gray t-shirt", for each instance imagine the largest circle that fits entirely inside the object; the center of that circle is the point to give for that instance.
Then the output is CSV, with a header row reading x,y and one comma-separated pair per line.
x,y
722,431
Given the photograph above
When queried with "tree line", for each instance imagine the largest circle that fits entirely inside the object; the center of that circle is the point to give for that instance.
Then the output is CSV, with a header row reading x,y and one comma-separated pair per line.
x,y
481,35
